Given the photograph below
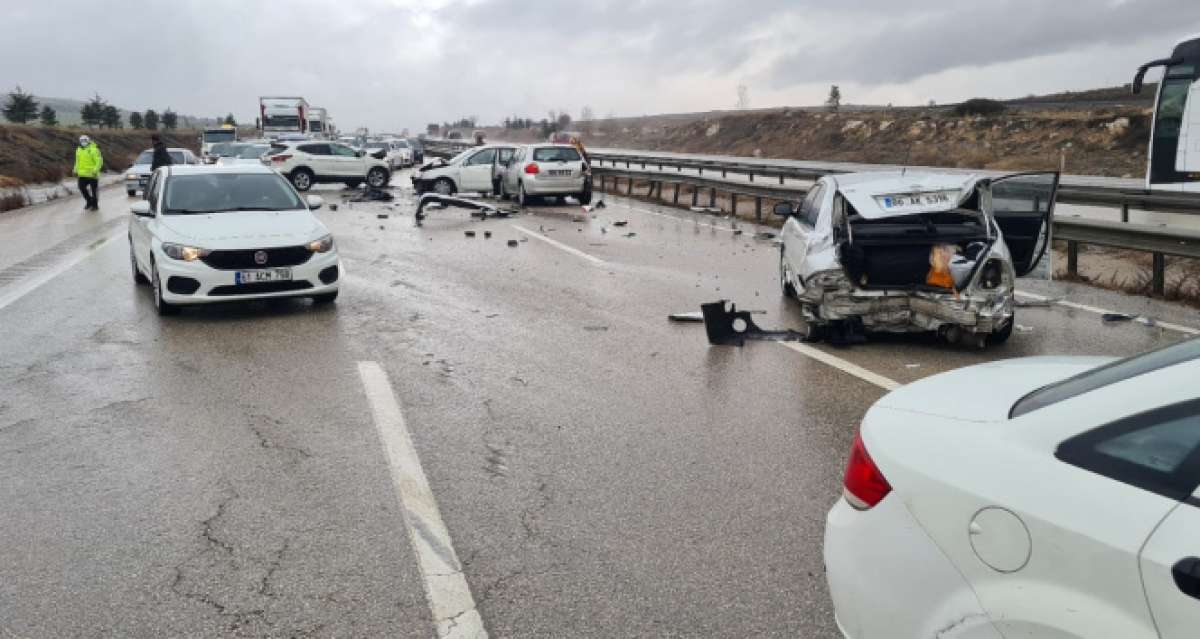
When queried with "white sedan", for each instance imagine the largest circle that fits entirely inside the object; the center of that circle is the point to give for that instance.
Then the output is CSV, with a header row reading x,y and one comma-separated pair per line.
x,y
216,234
1040,497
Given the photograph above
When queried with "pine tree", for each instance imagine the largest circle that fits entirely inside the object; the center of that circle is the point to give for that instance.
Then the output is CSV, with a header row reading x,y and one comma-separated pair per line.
x,y
135,120
21,107
834,101
230,121
92,113
49,116
169,119
150,120
112,117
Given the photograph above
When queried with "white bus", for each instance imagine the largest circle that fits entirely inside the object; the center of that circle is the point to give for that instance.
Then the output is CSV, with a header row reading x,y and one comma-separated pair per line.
x,y
1174,162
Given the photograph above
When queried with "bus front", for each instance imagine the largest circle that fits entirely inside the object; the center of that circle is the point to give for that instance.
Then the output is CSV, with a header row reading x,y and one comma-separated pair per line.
x,y
1174,162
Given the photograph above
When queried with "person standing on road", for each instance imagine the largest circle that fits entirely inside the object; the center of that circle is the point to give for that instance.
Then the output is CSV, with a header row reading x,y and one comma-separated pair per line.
x,y
88,163
161,157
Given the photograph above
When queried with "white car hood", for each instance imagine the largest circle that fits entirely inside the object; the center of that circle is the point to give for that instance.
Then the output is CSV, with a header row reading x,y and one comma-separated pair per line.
x,y
861,190
986,392
246,229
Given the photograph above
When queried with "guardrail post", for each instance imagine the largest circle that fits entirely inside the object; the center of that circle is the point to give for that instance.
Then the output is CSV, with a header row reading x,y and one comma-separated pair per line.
x,y
701,169
781,180
679,168
1158,284
629,187
758,209
675,195
712,198
733,204
695,196
643,165
751,176
1124,211
723,173
1072,257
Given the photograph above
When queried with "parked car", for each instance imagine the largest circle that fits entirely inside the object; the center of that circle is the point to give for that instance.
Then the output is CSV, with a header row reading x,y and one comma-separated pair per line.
x,y
908,252
468,172
402,151
418,148
545,170
246,154
397,156
216,234
138,175
1036,497
219,150
306,163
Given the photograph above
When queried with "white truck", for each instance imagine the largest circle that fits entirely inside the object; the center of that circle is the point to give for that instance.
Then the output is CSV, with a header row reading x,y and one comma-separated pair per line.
x,y
319,125
224,133
283,115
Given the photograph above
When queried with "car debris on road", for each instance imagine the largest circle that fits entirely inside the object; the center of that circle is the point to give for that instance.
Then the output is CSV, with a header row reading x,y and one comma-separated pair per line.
x,y
727,326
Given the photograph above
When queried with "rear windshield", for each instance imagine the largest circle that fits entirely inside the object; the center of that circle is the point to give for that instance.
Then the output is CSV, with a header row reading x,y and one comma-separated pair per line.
x,y
1098,378
556,154
253,151
224,135
223,192
222,149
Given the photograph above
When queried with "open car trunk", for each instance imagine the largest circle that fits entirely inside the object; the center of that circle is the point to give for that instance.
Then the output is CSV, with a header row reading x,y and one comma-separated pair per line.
x,y
924,251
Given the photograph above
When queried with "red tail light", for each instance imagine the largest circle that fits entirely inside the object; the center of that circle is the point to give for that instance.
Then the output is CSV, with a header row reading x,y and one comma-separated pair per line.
x,y
865,485
532,168
281,158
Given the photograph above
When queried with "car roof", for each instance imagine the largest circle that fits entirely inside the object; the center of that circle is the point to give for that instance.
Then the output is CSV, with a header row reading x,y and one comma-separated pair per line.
x,y
207,169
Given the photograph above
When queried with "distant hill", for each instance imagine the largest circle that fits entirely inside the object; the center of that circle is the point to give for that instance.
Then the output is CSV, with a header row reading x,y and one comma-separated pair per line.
x,y
68,113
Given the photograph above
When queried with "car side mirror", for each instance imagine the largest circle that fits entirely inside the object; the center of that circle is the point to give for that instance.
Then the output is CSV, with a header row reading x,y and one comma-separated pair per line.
x,y
141,209
314,201
785,209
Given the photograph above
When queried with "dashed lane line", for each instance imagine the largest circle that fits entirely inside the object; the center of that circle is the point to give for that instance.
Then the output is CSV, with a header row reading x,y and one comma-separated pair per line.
x,y
1100,311
885,383
559,245
454,613
23,287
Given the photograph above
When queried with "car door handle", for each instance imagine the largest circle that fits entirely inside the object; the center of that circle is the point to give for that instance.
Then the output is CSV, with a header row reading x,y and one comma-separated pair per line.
x,y
1187,576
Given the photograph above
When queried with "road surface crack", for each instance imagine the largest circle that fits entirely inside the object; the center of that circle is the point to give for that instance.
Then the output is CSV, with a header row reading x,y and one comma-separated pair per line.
x,y
257,426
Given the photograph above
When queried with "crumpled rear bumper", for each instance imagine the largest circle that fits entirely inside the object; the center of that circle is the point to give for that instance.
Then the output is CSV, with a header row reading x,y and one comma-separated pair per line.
x,y
975,311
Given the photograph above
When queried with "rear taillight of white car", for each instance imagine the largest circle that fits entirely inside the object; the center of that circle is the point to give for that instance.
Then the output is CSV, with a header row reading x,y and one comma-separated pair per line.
x,y
281,158
864,485
532,168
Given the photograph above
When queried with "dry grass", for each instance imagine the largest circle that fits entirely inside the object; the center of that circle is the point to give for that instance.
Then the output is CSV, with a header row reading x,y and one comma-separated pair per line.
x,y
35,154
1132,272
13,200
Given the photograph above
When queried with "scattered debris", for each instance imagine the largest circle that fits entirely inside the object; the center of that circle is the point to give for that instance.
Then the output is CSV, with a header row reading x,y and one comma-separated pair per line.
x,y
1035,303
588,209
737,231
1021,328
764,235
513,243
382,216
620,222
333,206
433,200
631,234
1116,317
690,316
487,234
731,327
491,315
469,233
372,195
578,219
595,328
1147,321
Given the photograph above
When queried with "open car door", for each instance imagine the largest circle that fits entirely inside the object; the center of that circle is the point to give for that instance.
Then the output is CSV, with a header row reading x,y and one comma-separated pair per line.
x,y
1023,207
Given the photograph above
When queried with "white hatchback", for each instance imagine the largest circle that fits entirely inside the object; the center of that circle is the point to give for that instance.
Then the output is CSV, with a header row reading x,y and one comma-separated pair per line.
x,y
216,234
1039,497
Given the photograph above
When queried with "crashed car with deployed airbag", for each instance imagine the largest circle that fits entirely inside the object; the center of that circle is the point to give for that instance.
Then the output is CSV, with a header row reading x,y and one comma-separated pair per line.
x,y
907,252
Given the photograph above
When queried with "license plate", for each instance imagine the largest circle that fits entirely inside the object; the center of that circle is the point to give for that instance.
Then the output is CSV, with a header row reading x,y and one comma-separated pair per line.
x,y
265,275
917,201
560,173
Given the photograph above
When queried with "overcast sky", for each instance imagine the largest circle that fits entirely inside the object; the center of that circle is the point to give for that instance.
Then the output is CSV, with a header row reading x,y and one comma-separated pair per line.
x,y
389,64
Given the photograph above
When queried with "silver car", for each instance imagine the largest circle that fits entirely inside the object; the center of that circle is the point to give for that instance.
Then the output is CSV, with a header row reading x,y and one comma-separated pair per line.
x,y
906,252
545,170
138,175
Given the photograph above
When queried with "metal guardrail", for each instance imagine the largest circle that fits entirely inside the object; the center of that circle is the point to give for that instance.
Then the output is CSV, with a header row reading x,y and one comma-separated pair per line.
x,y
1160,241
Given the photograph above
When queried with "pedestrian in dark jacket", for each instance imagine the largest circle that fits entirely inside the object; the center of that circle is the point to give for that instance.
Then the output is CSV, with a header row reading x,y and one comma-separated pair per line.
x,y
161,157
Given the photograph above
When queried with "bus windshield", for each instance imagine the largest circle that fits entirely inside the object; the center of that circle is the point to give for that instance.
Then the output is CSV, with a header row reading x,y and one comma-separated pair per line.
x,y
1168,120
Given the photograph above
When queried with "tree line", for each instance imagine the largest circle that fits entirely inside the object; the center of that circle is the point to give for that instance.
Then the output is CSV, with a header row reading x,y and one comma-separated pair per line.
x,y
22,108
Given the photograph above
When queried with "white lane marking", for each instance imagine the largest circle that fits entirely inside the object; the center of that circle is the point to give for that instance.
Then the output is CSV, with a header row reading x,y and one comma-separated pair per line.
x,y
30,284
454,612
1100,311
559,245
843,365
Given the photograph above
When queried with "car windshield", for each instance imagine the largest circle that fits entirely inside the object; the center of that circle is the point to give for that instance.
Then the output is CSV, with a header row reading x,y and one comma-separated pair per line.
x,y
253,151
176,156
556,154
221,150
222,192
1098,378
145,157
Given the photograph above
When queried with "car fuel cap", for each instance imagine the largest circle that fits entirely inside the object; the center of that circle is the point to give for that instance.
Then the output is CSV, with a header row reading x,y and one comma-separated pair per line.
x,y
1000,539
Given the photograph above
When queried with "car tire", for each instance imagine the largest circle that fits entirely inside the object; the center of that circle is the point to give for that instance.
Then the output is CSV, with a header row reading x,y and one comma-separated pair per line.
x,y
503,192
163,307
999,337
785,285
324,298
378,177
130,193
523,198
353,184
302,179
444,186
138,278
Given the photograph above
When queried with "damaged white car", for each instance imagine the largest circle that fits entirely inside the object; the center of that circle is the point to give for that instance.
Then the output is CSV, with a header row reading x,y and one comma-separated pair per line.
x,y
909,252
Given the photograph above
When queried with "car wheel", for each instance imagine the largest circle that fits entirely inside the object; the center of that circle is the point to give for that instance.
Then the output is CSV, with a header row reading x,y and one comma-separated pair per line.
x,y
443,186
584,198
138,278
324,298
1002,335
523,198
785,283
302,179
164,308
503,191
130,193
377,177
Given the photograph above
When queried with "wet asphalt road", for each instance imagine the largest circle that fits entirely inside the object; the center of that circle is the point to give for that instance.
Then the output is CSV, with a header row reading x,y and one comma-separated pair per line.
x,y
602,472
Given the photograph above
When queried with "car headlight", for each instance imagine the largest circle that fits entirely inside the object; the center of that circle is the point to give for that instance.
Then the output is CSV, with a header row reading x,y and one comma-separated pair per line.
x,y
323,245
183,252
131,176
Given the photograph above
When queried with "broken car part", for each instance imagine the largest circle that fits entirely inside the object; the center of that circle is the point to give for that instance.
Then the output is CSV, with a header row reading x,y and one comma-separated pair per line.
x,y
429,199
731,327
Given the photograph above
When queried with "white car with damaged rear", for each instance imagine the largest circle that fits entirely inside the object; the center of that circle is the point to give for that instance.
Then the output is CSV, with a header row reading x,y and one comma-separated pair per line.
x,y
218,234
907,252
1047,497
545,171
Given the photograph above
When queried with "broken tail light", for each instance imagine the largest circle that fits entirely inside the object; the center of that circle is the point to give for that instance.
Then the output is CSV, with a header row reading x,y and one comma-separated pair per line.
x,y
281,158
864,485
532,168
992,275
